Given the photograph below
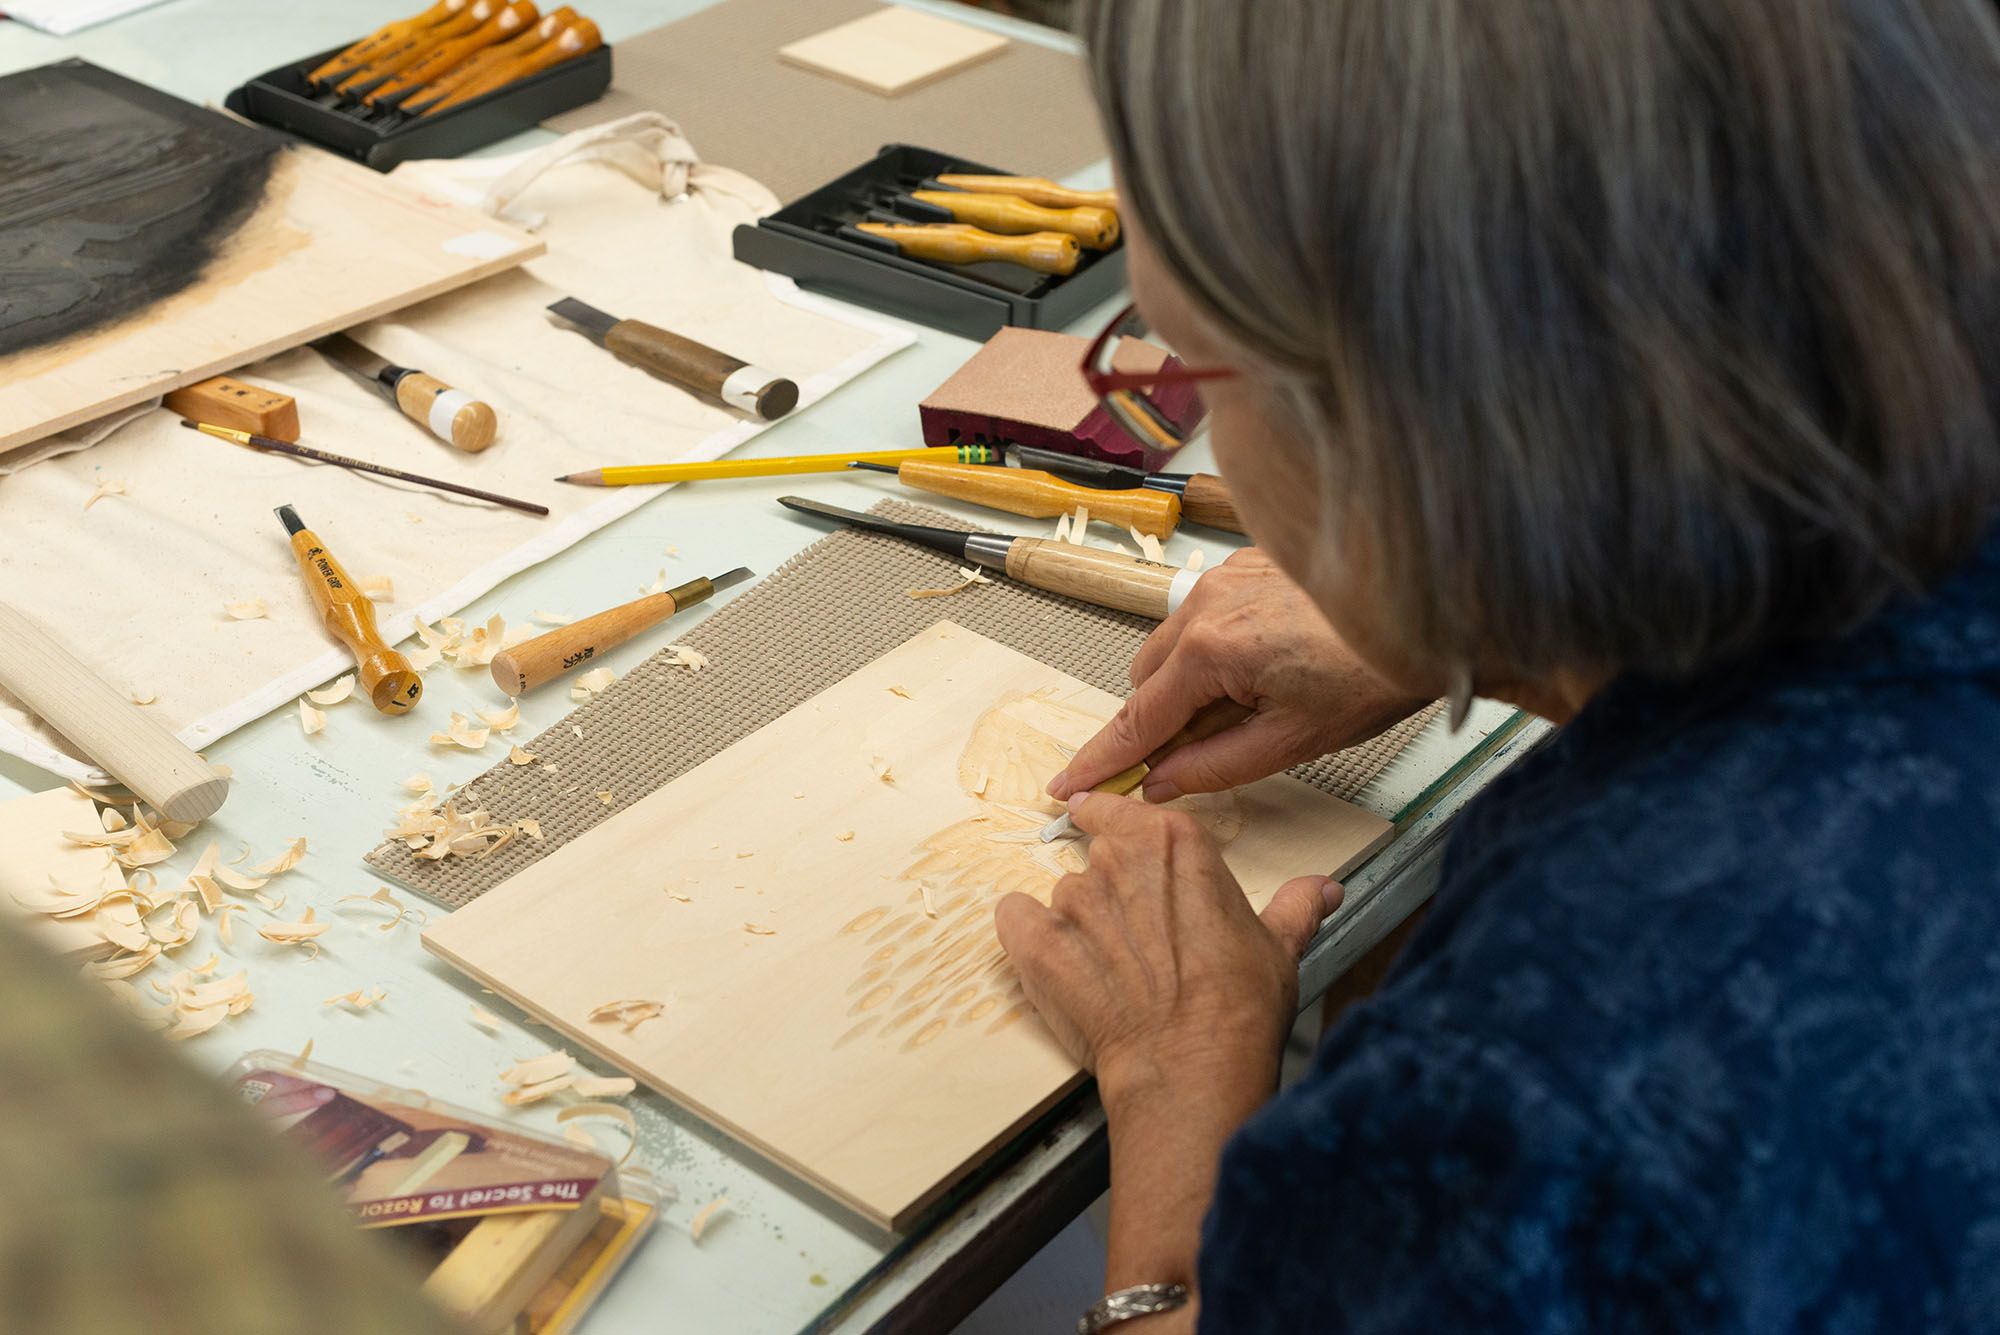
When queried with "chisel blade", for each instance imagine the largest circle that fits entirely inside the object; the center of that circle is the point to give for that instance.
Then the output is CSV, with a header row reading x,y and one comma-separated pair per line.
x,y
352,355
730,579
592,323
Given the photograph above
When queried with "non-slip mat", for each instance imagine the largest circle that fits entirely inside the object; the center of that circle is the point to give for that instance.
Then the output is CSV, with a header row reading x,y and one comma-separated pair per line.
x,y
717,73
839,604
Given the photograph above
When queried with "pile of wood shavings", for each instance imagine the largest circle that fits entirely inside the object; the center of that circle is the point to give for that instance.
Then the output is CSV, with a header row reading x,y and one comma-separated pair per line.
x,y
450,640
591,684
538,1078
627,1015
434,833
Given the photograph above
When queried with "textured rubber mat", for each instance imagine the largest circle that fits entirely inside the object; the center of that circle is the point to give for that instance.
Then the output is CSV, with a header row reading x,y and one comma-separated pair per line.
x,y
838,604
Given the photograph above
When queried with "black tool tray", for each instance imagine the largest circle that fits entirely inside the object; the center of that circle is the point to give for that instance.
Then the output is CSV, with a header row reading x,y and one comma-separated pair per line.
x,y
813,239
282,98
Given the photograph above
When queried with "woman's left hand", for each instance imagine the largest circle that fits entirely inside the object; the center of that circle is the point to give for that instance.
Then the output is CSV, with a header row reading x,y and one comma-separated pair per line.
x,y
1151,967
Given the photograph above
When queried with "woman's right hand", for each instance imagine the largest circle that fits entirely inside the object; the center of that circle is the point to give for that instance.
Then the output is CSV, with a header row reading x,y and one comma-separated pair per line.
x,y
1247,633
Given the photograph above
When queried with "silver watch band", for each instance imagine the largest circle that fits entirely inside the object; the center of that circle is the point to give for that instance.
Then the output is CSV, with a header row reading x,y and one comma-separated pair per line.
x,y
1114,1309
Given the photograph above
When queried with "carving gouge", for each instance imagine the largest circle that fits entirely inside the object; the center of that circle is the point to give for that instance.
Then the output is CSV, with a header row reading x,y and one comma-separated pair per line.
x,y
452,415
1035,189
1092,227
1205,498
693,366
525,666
1092,574
1036,494
1216,716
446,56
412,48
957,243
392,685
481,62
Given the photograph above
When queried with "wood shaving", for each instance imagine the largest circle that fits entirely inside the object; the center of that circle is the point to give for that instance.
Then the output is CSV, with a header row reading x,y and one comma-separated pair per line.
x,y
310,719
1062,529
704,1218
485,1019
359,999
1079,526
659,584
386,898
223,921
623,1116
377,588
334,694
1195,559
294,852
250,609
476,647
463,733
112,820
105,487
903,691
139,697
300,933
930,905
552,618
517,756
603,1086
750,854
759,929
1149,546
679,899
434,833
529,826
591,683
305,1054
418,783
881,770
194,1006
501,720
694,660
538,1070
968,576
845,836
607,797
627,1015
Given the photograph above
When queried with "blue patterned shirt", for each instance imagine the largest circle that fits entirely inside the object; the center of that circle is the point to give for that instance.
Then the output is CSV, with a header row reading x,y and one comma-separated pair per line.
x,y
1703,1031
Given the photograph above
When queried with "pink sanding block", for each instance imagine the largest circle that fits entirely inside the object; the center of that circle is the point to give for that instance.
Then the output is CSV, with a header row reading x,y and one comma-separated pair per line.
x,y
1026,387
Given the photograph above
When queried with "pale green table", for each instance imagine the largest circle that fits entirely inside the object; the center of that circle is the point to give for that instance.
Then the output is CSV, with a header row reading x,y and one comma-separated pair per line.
x,y
785,1260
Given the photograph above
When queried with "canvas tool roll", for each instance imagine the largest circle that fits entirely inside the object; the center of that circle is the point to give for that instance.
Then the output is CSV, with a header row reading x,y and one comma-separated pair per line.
x,y
138,581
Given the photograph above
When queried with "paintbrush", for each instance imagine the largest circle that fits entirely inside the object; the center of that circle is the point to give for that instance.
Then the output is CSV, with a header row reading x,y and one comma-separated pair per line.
x,y
273,446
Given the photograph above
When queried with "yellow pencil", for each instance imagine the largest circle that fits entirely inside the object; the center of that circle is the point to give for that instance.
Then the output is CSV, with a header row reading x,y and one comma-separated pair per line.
x,y
642,474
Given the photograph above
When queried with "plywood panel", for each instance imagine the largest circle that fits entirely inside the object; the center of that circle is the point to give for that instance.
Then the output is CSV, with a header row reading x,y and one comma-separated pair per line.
x,y
893,50
320,245
814,907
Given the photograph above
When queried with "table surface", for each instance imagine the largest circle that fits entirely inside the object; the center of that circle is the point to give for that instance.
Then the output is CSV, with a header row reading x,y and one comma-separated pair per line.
x,y
782,1259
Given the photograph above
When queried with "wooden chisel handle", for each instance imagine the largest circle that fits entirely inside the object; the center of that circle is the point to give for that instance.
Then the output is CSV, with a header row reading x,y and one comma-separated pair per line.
x,y
118,736
379,41
1040,495
413,48
705,370
393,686
1093,227
575,40
541,660
1106,578
1035,189
1206,500
1214,717
479,62
958,243
443,58
452,415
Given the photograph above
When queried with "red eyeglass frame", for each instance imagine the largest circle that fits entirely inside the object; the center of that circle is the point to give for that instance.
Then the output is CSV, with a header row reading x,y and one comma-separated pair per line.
x,y
1103,383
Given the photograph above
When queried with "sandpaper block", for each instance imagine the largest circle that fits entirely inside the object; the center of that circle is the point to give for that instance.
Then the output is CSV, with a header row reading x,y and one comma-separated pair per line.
x,y
1026,387
223,401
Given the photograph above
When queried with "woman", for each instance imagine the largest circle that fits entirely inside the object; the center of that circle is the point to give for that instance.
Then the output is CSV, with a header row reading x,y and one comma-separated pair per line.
x,y
1637,363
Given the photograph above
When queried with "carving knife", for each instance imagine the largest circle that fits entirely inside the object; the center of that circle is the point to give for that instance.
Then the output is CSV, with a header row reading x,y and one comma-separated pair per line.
x,y
1092,574
525,666
1205,498
1216,716
682,361
452,415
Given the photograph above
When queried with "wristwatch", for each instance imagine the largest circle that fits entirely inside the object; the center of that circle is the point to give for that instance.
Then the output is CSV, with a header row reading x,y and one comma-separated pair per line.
x,y
1114,1309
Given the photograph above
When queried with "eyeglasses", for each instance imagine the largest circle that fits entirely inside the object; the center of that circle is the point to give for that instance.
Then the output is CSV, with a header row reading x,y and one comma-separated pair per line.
x,y
1146,390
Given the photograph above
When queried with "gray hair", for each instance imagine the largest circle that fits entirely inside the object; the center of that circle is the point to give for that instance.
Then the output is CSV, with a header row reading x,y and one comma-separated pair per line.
x,y
1626,334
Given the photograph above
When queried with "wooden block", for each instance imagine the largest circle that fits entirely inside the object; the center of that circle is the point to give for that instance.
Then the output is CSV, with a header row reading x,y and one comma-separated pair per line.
x,y
893,50
232,403
814,906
